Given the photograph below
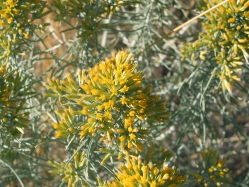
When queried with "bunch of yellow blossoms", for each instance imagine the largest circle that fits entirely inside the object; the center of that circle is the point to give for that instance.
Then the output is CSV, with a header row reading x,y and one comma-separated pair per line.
x,y
72,170
110,105
137,174
13,92
214,171
15,22
225,38
112,102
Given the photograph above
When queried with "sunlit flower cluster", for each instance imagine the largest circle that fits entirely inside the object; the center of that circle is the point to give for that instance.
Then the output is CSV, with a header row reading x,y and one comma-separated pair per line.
x,y
137,174
67,125
112,99
15,23
91,17
225,38
214,171
71,170
13,118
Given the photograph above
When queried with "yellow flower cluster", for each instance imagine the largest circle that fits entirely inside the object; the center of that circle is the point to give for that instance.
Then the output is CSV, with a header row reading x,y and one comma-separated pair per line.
x,y
72,171
15,22
12,102
215,172
67,125
110,104
225,38
114,86
112,99
137,174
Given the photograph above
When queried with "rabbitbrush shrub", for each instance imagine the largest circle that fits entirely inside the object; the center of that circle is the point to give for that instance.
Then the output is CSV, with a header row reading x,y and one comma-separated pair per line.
x,y
130,93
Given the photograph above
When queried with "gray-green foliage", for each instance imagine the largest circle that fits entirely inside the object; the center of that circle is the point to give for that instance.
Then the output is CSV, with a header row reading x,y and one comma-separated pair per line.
x,y
203,115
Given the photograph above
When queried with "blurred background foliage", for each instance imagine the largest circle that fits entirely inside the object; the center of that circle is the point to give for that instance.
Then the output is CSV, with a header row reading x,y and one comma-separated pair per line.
x,y
45,39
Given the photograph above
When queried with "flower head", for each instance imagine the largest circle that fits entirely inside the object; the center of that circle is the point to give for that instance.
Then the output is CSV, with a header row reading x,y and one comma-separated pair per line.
x,y
71,170
214,170
225,37
15,23
13,116
135,173
111,96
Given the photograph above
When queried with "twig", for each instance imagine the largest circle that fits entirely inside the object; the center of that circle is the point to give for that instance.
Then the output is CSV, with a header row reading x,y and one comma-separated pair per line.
x,y
180,27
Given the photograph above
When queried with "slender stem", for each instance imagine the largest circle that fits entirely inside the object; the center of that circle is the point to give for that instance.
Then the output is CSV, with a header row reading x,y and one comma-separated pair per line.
x,y
180,27
19,180
198,16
